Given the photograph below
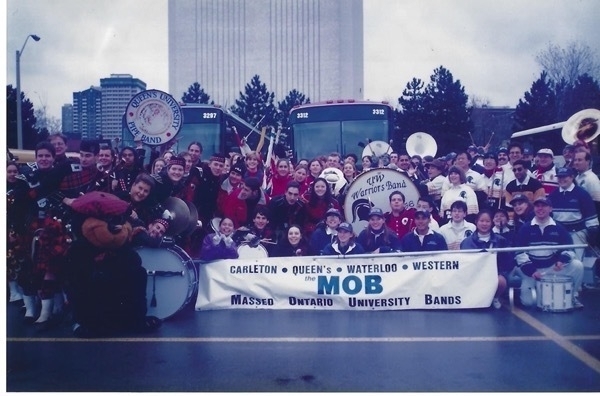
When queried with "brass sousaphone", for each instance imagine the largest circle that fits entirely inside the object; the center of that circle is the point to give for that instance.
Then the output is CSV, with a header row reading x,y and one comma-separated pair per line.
x,y
421,144
376,148
582,125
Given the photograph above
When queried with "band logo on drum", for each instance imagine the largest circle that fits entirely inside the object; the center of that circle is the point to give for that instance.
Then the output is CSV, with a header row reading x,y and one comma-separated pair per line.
x,y
154,117
372,189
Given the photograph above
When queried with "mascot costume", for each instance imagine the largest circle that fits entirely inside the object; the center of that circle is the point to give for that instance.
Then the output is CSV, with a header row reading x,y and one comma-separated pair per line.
x,y
106,283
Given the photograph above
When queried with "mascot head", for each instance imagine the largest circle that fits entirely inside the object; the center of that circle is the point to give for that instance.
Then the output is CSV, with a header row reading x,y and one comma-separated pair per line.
x,y
105,234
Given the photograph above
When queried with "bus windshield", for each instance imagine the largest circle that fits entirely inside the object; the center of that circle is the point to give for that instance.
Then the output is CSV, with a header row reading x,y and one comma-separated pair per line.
x,y
318,129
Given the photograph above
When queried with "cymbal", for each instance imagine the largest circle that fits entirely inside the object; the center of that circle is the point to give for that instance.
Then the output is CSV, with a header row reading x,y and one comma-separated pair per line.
x,y
181,215
193,221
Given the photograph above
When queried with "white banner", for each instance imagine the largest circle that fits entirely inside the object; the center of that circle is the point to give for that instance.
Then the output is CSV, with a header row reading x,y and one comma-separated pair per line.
x,y
449,280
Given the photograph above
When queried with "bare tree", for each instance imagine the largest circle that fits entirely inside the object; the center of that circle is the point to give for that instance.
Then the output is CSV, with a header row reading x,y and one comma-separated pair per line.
x,y
567,64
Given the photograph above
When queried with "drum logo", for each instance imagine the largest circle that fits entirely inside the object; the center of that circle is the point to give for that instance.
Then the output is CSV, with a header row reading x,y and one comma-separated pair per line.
x,y
372,189
154,117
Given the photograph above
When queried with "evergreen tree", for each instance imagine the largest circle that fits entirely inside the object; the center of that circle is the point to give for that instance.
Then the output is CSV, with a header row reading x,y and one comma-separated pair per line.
x,y
584,94
255,103
439,109
256,106
411,117
196,94
539,106
30,133
448,120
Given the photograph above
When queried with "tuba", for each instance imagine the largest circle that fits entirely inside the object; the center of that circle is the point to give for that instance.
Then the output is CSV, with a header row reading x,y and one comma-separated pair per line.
x,y
582,125
421,144
335,178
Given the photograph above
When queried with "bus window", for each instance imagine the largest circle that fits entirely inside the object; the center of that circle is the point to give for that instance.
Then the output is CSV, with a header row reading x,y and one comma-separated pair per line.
x,y
315,139
320,128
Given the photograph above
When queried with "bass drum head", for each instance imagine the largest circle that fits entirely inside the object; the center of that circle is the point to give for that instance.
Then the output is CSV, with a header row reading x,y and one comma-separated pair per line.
x,y
172,287
246,251
372,189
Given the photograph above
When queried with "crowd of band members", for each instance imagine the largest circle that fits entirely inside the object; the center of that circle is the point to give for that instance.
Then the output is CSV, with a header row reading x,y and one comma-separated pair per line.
x,y
471,199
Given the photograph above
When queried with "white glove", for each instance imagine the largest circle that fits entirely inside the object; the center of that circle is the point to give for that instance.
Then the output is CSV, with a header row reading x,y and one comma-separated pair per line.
x,y
228,241
216,239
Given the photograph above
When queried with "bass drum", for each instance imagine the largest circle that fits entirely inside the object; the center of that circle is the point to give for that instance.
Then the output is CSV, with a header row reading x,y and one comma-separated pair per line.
x,y
245,251
172,280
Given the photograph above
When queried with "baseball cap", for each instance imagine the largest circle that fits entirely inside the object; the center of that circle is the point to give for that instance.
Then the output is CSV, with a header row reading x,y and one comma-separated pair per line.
x,y
543,200
422,213
345,226
546,151
517,198
333,212
376,212
563,172
436,163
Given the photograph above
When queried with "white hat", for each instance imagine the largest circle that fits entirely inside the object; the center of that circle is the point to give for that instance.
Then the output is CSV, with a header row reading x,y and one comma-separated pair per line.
x,y
546,151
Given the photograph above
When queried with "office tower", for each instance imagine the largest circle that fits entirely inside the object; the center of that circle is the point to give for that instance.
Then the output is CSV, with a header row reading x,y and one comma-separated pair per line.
x,y
314,46
87,113
117,91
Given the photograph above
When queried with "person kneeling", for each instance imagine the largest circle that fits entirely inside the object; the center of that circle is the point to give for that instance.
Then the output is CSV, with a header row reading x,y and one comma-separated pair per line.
x,y
344,244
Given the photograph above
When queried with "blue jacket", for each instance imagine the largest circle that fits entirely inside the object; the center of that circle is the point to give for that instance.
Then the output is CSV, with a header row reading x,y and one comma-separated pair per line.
x,y
504,260
319,239
433,241
531,235
333,249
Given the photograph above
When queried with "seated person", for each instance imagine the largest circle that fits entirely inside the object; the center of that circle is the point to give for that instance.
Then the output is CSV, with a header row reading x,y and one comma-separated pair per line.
x,y
259,232
485,238
292,244
422,238
220,245
325,232
458,228
542,230
377,237
345,242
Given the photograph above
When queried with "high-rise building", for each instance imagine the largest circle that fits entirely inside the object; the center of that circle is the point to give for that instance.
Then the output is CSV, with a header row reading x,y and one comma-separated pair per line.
x,y
87,113
314,46
67,118
117,91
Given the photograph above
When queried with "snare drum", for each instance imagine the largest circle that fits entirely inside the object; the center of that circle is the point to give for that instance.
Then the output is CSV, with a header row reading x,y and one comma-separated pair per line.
x,y
172,280
246,251
555,293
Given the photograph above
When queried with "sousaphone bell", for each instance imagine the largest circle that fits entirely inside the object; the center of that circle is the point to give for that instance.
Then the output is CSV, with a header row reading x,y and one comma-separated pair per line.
x,y
582,125
421,144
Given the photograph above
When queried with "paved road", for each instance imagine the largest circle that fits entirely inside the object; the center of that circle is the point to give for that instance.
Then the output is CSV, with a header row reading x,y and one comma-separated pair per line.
x,y
482,350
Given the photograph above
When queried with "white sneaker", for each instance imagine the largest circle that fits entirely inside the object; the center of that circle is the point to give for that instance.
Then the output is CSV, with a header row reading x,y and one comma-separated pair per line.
x,y
496,303
576,303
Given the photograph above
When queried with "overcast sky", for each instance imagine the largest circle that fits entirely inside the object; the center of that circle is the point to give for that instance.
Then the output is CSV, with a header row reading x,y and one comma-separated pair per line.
x,y
489,46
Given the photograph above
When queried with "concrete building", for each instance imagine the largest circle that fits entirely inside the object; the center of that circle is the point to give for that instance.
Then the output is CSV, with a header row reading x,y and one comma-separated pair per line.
x,y
67,118
314,46
117,91
86,113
